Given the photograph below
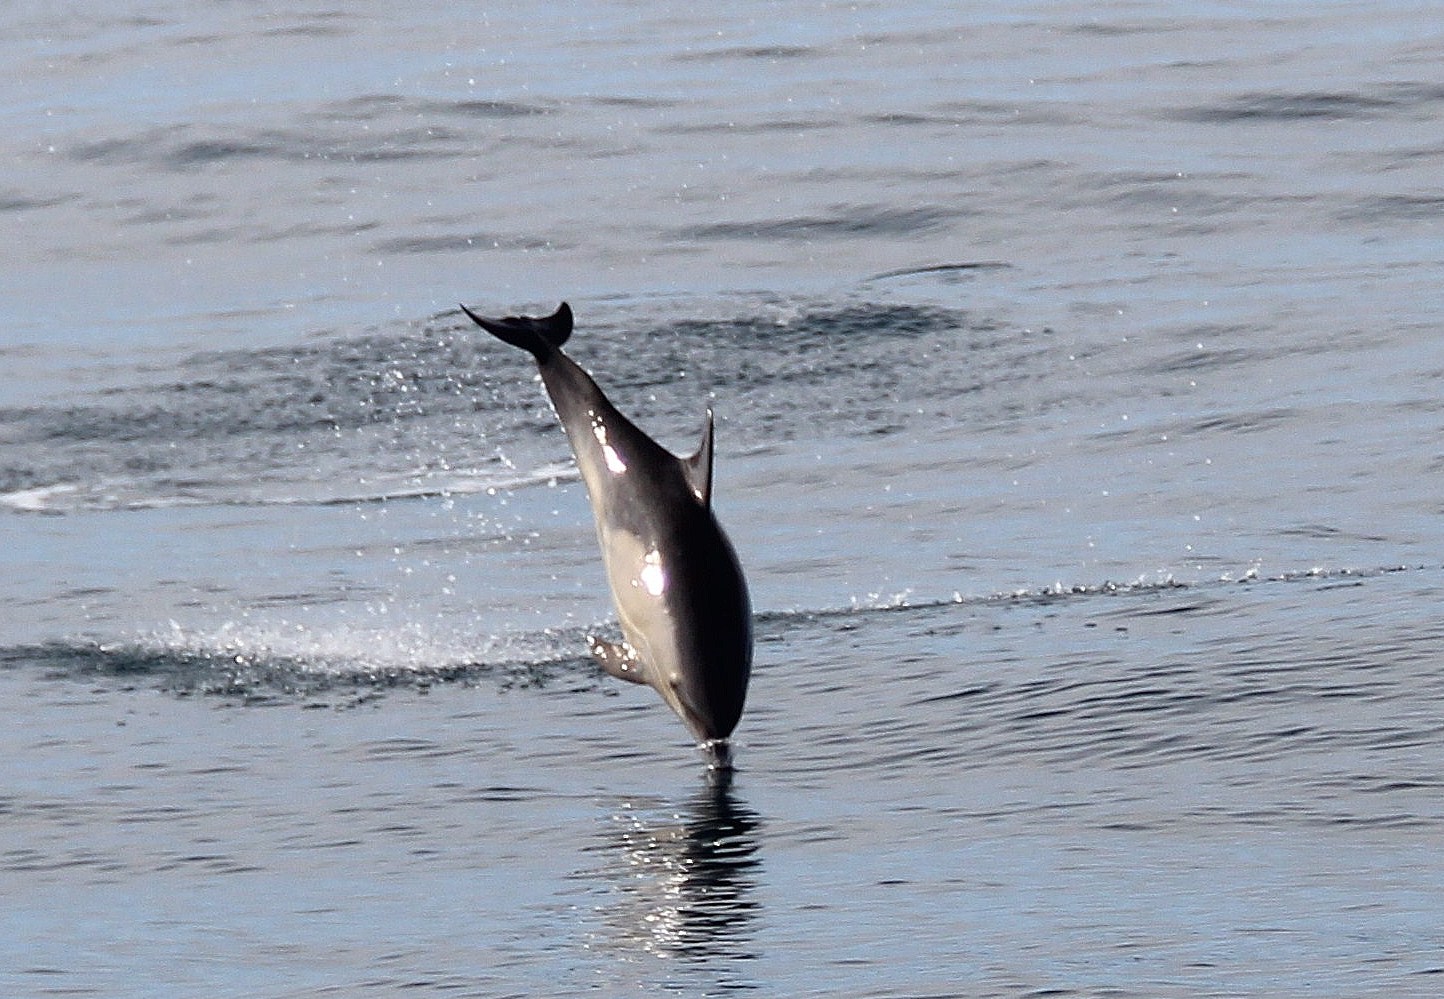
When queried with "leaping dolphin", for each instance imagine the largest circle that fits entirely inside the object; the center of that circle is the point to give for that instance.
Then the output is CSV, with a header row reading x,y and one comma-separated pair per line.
x,y
676,584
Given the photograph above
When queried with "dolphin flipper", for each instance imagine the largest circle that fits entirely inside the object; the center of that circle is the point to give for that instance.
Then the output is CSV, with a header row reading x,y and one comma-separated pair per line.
x,y
619,659
539,336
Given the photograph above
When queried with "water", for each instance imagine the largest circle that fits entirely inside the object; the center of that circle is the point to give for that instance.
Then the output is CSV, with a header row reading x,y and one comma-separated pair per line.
x,y
1076,372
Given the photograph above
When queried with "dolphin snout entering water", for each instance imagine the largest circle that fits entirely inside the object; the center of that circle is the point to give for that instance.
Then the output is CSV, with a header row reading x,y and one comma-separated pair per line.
x,y
676,584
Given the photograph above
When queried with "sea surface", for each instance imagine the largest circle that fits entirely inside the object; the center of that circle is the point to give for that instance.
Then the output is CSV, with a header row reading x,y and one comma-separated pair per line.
x,y
1079,378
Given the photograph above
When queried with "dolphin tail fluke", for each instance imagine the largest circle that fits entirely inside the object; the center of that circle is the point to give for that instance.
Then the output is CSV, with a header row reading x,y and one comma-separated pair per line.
x,y
698,467
539,336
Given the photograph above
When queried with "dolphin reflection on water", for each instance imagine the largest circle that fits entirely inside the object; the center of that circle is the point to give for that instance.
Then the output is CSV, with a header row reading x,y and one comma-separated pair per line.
x,y
680,878
676,584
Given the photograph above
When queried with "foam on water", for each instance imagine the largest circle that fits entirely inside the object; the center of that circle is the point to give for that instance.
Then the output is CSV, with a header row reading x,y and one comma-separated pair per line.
x,y
262,662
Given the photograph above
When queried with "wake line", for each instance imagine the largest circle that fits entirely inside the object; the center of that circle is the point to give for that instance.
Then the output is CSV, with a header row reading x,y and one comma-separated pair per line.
x,y
903,602
261,676
68,497
326,669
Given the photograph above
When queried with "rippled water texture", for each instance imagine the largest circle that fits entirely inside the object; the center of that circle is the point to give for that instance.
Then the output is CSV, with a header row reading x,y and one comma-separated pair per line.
x,y
1077,376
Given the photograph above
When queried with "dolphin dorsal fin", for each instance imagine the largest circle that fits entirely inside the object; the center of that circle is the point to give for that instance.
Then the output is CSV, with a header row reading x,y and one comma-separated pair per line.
x,y
539,336
698,467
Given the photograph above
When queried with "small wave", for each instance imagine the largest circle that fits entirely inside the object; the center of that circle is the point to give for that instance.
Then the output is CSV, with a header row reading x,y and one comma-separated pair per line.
x,y
465,242
380,107
945,269
843,222
1308,105
766,53
1396,208
138,494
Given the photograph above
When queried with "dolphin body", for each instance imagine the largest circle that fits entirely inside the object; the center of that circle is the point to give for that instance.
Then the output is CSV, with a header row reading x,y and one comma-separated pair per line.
x,y
676,584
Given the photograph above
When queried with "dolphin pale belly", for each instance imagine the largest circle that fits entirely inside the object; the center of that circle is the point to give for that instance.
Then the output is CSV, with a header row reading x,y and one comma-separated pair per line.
x,y
676,584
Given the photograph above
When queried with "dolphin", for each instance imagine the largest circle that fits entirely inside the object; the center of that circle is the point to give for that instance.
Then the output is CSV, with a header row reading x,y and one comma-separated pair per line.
x,y
677,586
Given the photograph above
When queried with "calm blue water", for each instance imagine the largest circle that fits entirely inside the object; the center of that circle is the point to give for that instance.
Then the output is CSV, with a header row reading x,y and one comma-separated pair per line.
x,y
1077,378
